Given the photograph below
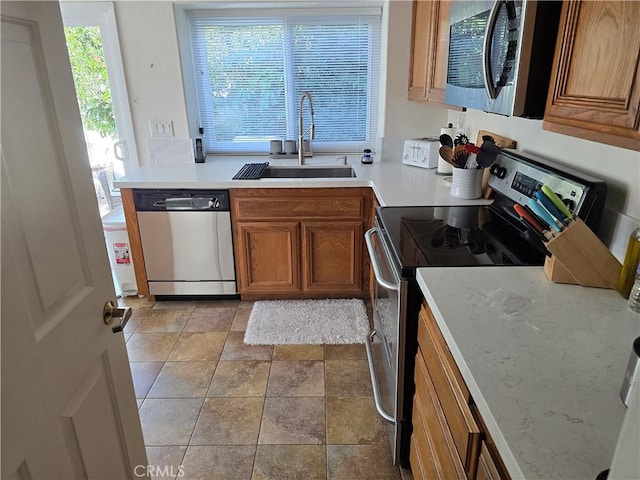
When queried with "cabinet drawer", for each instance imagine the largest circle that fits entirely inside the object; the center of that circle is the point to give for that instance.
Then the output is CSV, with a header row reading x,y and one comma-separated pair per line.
x,y
429,420
428,326
487,469
463,427
422,463
490,466
283,204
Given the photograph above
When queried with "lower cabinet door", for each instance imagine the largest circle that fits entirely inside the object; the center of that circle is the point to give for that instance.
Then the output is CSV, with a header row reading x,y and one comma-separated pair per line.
x,y
332,256
268,257
441,455
487,469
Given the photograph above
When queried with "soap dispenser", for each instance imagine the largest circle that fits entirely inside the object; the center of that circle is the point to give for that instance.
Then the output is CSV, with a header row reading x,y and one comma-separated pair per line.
x,y
367,157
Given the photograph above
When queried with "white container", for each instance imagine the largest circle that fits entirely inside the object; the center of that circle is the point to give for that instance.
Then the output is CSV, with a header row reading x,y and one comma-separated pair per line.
x,y
118,248
444,167
467,183
290,147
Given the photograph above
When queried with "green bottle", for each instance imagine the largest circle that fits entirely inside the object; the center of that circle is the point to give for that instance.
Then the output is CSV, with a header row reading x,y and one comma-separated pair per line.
x,y
630,265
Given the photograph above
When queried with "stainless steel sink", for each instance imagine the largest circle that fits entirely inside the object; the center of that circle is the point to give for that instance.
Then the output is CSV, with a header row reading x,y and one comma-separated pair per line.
x,y
309,171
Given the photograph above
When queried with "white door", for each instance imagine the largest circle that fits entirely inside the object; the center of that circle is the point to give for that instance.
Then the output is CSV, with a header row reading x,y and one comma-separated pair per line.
x,y
68,404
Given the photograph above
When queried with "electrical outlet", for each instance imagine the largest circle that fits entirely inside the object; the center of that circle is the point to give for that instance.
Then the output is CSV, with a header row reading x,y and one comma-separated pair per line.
x,y
161,128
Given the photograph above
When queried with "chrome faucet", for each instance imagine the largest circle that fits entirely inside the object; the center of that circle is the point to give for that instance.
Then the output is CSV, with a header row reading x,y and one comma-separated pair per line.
x,y
312,127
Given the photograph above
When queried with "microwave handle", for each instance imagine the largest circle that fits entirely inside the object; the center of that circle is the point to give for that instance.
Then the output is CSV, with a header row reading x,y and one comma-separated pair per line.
x,y
490,88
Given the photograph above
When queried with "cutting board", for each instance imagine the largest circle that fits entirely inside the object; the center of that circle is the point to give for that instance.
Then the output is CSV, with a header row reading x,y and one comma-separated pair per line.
x,y
502,142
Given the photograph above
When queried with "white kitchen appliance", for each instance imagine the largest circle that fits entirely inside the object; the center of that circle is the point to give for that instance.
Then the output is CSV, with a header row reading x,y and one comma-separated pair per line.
x,y
186,241
421,152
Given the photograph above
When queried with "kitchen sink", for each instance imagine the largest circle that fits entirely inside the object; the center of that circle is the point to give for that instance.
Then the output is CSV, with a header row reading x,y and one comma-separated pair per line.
x,y
309,171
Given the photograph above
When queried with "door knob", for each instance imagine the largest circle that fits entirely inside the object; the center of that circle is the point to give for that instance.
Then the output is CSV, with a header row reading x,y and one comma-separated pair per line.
x,y
110,311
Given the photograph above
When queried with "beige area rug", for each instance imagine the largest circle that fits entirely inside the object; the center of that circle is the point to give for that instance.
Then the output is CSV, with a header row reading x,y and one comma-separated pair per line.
x,y
307,322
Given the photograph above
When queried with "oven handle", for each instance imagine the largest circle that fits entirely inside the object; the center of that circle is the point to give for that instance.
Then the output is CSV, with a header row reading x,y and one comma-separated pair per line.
x,y
374,380
374,262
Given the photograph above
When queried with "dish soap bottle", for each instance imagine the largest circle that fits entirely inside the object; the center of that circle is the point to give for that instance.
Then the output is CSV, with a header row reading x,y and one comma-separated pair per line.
x,y
630,265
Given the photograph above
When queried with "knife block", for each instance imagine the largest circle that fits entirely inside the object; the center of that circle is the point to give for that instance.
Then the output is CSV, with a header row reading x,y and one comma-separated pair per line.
x,y
579,257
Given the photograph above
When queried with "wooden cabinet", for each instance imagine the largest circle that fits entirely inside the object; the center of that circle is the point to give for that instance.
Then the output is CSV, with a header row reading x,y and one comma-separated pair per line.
x,y
487,469
429,52
135,244
449,439
595,87
303,242
270,259
332,256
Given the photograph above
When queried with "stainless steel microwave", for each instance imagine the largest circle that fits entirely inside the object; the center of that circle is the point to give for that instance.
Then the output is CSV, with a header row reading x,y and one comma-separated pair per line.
x,y
500,55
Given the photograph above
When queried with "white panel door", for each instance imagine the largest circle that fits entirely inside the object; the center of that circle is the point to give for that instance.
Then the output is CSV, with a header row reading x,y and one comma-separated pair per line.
x,y
68,404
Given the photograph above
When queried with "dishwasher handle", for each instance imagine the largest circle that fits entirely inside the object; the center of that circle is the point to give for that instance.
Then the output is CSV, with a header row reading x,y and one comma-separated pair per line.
x,y
158,200
188,203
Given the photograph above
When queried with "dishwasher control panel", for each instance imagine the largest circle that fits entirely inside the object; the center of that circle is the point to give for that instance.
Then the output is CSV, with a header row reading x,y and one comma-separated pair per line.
x,y
149,200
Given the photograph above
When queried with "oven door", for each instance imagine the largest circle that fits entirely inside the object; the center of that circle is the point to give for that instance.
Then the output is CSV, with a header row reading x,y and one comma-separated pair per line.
x,y
384,351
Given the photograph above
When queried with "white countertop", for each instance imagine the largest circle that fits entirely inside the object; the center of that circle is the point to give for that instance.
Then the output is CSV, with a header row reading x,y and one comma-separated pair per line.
x,y
544,363
394,184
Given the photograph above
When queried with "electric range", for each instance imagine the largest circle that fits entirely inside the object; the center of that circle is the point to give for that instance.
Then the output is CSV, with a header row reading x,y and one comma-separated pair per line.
x,y
407,238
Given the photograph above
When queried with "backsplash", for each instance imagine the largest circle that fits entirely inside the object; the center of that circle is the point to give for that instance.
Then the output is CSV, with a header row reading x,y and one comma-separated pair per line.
x,y
615,230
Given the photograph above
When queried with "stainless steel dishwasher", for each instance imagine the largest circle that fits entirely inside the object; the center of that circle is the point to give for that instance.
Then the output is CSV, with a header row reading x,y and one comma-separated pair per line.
x,y
186,241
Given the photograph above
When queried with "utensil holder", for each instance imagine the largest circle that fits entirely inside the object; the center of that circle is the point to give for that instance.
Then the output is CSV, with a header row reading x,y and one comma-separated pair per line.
x,y
579,257
466,183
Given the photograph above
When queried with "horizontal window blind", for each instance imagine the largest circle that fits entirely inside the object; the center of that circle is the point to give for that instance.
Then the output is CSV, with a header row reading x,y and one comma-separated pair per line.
x,y
251,71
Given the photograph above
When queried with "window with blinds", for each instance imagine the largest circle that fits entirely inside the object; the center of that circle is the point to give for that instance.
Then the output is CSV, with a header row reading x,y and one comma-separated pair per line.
x,y
251,71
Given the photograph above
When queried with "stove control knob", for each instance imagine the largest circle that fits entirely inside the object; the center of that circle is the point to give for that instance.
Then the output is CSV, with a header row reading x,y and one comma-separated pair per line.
x,y
571,205
494,169
501,172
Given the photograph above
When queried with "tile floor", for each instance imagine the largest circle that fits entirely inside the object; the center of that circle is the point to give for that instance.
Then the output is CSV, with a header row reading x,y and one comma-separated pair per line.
x,y
215,408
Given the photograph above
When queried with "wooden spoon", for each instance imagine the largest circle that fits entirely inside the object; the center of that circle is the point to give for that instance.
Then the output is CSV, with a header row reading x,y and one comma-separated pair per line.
x,y
446,153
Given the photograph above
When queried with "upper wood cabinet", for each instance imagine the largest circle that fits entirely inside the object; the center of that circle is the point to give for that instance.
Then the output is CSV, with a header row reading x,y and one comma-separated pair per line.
x,y
429,52
595,87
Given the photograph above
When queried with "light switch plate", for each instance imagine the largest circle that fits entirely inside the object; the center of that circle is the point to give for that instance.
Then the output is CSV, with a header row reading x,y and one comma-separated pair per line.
x,y
161,128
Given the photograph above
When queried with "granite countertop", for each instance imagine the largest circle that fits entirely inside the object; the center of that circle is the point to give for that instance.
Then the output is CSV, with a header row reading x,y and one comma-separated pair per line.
x,y
544,363
394,184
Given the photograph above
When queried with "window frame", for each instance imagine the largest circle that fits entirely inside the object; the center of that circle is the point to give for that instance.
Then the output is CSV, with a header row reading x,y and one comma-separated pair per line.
x,y
196,109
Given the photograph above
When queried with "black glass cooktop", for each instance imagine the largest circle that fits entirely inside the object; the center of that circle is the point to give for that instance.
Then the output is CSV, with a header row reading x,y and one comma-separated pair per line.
x,y
455,236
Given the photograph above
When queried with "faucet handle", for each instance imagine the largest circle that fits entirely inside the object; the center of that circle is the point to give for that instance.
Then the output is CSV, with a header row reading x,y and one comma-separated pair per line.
x,y
342,160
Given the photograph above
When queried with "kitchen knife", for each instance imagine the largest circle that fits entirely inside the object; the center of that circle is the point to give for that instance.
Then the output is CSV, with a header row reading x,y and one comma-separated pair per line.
x,y
522,212
543,214
557,202
551,208
528,219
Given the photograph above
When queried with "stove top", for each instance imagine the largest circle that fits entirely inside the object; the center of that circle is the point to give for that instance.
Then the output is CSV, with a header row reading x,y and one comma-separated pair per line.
x,y
450,236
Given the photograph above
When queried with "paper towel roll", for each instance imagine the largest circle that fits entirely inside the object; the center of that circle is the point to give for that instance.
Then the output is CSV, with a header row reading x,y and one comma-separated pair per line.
x,y
445,168
449,131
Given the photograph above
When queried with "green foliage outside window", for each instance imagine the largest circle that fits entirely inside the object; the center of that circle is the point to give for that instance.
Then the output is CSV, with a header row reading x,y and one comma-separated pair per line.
x,y
90,78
